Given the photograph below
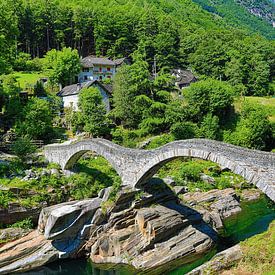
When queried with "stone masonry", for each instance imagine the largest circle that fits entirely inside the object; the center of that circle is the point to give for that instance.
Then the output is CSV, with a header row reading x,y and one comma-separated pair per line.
x,y
135,166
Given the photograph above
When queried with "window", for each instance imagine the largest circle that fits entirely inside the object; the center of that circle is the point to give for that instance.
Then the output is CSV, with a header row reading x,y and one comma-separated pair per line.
x,y
85,77
85,70
100,69
108,69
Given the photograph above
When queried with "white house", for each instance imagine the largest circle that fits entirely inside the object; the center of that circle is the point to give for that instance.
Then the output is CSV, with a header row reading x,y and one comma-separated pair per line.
x,y
98,68
70,93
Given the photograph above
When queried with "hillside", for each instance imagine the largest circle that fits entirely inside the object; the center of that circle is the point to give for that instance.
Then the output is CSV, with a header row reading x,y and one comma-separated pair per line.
x,y
263,9
254,16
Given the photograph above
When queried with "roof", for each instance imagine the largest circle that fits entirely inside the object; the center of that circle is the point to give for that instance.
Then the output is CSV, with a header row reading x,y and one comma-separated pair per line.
x,y
108,87
75,88
183,76
90,61
119,61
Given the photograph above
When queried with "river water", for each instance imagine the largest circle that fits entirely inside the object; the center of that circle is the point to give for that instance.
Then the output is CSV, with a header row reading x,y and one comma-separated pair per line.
x,y
254,219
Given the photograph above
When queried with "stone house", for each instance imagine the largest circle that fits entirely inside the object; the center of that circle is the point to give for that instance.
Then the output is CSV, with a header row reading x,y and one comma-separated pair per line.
x,y
98,68
183,78
70,94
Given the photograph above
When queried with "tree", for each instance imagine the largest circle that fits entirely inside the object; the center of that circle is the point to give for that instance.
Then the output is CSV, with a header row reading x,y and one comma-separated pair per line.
x,y
93,112
36,120
209,127
253,129
63,65
184,130
130,82
209,96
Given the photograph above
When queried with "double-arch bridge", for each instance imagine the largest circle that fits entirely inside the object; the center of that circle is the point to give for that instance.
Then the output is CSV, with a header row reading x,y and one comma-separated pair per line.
x,y
135,166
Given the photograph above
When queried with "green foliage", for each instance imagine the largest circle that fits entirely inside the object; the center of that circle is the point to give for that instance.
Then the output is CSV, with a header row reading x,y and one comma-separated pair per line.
x,y
253,129
209,127
126,137
24,224
23,148
94,174
160,141
38,111
184,130
93,112
237,13
62,65
210,96
5,198
8,33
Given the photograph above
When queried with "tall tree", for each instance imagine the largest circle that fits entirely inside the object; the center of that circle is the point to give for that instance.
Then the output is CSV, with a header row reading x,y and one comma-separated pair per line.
x,y
93,112
63,65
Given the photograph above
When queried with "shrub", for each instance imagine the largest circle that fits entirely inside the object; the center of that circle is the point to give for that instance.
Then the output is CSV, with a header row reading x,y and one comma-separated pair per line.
x,y
24,224
23,148
184,130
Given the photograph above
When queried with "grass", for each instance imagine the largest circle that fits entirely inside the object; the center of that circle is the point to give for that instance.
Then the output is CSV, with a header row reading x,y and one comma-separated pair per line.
x,y
267,102
26,79
259,254
186,172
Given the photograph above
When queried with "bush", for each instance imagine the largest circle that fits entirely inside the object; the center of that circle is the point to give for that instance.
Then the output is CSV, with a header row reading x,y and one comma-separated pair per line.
x,y
23,148
24,224
5,198
160,141
209,127
184,130
253,129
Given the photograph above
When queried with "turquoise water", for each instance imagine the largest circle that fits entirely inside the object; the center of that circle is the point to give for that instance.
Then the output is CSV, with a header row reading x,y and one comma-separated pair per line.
x,y
254,219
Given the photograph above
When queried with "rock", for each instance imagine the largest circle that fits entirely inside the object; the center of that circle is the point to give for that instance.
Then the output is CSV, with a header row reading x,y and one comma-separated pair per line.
x,y
250,195
10,234
150,237
215,205
26,253
16,212
54,172
180,189
29,174
105,193
226,206
169,180
207,179
220,261
61,222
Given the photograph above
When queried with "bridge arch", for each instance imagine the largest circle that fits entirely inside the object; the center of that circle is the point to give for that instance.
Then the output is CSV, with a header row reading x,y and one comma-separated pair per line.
x,y
68,154
255,166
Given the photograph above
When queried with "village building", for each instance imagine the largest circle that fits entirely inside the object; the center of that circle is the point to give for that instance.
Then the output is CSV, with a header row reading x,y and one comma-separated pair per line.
x,y
98,68
70,94
183,78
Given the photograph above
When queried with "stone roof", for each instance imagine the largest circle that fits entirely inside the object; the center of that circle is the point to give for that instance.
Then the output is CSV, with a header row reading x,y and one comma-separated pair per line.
x,y
90,61
108,87
119,61
183,77
75,88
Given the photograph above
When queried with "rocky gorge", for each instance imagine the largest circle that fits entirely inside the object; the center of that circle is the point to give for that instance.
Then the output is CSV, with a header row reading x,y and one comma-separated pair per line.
x,y
150,229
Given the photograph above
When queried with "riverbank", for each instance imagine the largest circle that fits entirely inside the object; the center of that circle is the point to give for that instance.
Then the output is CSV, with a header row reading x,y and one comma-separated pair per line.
x,y
142,229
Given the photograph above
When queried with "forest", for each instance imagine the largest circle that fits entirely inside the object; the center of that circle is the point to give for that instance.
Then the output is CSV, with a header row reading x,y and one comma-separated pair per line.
x,y
48,37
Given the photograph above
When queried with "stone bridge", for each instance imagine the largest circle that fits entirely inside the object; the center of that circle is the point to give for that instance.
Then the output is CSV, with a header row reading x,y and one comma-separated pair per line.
x,y
135,166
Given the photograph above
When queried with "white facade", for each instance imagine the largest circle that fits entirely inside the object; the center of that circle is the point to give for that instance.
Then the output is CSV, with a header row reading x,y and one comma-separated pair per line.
x,y
72,100
98,72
